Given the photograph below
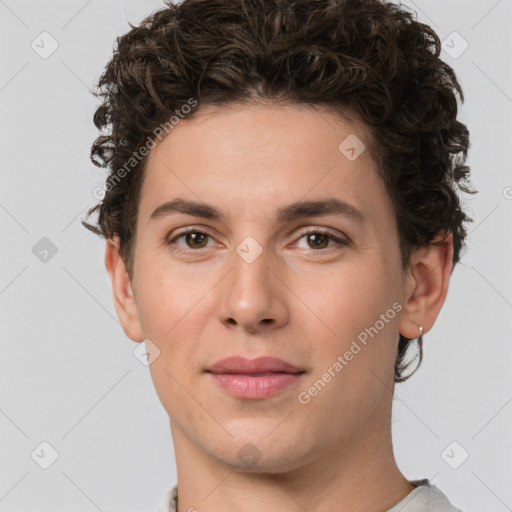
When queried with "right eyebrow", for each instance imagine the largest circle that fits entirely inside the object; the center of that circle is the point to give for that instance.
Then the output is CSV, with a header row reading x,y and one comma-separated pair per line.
x,y
188,207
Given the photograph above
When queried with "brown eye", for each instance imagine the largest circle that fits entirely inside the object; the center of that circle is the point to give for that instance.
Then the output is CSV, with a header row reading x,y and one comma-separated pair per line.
x,y
318,240
194,239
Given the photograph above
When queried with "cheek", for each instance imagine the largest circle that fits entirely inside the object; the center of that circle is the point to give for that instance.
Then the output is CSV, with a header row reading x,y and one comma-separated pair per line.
x,y
174,307
346,298
355,309
163,296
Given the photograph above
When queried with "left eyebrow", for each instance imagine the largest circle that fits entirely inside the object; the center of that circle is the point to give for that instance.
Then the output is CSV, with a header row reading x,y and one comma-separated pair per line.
x,y
287,213
329,206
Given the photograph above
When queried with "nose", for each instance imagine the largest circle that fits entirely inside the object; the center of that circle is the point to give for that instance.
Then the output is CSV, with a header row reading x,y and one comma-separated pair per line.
x,y
253,295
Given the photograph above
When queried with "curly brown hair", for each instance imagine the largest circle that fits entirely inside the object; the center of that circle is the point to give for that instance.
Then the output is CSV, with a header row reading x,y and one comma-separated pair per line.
x,y
370,57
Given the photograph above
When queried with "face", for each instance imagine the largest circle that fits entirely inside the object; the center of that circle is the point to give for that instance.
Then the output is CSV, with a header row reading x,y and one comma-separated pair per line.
x,y
318,288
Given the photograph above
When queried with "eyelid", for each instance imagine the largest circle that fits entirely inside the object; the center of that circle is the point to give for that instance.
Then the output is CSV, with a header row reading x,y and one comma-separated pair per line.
x,y
323,231
190,229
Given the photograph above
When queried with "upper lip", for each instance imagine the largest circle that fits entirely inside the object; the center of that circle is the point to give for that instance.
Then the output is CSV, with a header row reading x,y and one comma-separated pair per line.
x,y
237,364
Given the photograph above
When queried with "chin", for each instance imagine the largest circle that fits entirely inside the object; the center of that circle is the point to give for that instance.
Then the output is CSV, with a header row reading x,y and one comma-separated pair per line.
x,y
258,452
254,462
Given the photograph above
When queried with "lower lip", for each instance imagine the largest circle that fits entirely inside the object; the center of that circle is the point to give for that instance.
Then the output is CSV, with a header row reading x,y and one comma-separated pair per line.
x,y
254,386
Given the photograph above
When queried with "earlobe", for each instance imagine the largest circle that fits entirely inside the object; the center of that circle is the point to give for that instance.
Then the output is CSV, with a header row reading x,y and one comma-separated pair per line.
x,y
124,300
427,286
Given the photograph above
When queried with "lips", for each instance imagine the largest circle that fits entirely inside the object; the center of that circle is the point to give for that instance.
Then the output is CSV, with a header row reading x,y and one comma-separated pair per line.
x,y
254,379
259,366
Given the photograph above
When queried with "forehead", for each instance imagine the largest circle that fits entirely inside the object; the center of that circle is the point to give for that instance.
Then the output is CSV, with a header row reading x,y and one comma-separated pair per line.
x,y
244,158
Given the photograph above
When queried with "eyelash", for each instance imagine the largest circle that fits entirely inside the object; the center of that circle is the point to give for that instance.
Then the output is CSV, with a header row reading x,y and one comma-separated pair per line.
x,y
301,235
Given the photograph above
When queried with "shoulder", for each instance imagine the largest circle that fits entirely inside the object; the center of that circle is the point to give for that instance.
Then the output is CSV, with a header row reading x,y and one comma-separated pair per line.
x,y
425,498
169,501
439,502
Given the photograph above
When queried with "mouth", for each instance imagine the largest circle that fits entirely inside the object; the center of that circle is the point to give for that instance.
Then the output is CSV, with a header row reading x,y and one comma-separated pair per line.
x,y
255,374
254,379
258,366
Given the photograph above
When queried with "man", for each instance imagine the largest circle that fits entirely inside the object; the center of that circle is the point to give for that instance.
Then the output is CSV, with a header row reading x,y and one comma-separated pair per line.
x,y
282,220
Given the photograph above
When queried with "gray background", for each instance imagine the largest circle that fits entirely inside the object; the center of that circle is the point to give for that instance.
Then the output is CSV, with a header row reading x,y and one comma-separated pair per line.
x,y
68,375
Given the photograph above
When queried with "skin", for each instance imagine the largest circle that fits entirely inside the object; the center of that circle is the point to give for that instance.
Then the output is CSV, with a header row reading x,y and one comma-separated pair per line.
x,y
295,301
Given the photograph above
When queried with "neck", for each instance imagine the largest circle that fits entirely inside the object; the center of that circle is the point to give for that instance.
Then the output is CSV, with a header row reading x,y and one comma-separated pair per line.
x,y
360,476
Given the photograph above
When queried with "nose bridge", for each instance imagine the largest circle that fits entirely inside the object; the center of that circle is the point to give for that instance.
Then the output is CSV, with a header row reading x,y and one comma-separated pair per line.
x,y
252,255
250,295
250,277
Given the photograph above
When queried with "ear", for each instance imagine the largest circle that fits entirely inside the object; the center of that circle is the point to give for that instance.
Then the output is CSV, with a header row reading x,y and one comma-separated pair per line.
x,y
124,300
427,282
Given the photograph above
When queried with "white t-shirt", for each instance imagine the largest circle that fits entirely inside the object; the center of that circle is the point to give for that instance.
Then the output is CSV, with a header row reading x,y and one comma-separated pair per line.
x,y
424,498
